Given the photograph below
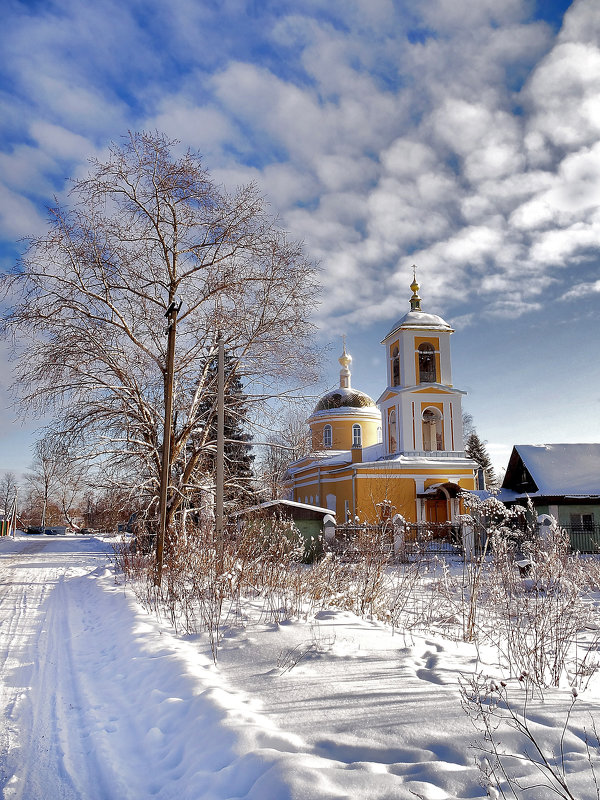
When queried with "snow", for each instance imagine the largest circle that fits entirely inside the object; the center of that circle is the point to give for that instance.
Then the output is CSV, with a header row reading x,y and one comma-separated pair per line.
x,y
419,319
101,700
563,469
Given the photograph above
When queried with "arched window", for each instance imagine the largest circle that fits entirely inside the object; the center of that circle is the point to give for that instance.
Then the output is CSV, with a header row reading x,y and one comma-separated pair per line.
x,y
327,437
432,430
427,372
356,436
393,431
395,367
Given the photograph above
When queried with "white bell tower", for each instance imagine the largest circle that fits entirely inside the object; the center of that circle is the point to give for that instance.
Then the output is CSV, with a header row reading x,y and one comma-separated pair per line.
x,y
421,410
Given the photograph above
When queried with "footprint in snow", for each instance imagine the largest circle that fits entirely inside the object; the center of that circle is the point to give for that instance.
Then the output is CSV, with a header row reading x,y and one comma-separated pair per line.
x,y
428,671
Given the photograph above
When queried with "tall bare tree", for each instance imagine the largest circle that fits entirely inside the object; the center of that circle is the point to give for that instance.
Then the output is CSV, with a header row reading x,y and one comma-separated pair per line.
x,y
290,441
8,491
44,476
145,228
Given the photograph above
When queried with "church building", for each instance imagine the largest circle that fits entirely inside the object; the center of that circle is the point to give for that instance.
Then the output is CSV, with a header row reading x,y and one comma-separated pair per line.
x,y
401,455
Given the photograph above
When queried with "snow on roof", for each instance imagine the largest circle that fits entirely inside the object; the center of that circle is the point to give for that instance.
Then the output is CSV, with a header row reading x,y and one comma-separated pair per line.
x,y
281,502
420,319
560,469
334,457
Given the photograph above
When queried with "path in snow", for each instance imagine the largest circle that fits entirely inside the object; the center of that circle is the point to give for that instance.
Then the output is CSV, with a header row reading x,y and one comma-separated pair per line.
x,y
98,704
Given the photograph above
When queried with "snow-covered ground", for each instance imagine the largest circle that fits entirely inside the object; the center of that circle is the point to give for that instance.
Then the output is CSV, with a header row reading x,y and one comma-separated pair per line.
x,y
100,701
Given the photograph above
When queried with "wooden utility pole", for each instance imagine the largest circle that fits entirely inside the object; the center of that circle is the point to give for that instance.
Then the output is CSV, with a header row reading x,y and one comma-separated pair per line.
x,y
220,477
165,476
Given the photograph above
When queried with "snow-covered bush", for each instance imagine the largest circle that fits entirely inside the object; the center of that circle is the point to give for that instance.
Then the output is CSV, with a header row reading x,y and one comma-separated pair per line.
x,y
541,623
519,758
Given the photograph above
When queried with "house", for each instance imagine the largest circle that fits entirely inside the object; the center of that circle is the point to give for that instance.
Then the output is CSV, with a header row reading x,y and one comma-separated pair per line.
x,y
562,480
402,454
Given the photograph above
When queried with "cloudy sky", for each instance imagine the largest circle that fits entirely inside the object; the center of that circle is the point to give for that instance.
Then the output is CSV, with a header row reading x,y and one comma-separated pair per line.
x,y
461,137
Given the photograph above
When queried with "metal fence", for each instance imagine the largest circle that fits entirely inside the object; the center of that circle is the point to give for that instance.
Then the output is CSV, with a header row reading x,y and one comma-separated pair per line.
x,y
583,539
412,540
432,539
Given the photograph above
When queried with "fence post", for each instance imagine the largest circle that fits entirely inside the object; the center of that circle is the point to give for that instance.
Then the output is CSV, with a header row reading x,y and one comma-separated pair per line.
x,y
467,533
399,538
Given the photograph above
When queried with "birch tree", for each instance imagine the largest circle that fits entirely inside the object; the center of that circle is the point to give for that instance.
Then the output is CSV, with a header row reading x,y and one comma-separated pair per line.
x,y
145,229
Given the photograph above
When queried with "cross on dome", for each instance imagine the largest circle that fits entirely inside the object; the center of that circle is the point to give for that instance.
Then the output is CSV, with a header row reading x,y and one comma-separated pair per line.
x,y
345,360
415,300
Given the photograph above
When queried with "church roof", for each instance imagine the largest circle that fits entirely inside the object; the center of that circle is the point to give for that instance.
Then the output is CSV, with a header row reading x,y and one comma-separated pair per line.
x,y
344,398
420,319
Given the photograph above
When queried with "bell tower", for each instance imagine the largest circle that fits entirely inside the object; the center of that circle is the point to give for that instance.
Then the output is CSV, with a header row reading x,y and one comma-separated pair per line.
x,y
420,409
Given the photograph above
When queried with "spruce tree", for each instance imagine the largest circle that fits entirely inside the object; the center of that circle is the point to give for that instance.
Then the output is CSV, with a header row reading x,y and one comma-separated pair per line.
x,y
238,454
475,449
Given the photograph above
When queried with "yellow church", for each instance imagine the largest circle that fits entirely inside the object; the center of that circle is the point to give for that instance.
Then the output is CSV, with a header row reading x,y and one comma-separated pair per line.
x,y
402,454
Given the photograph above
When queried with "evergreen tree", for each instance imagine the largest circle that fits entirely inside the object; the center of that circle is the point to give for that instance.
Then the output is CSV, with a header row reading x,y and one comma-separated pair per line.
x,y
475,449
238,472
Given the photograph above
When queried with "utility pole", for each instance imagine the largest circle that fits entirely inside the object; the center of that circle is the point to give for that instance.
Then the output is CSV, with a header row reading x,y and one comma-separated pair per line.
x,y
13,522
165,476
220,477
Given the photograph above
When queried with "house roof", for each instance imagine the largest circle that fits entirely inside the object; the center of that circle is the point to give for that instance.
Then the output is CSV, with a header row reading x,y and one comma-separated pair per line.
x,y
289,504
554,470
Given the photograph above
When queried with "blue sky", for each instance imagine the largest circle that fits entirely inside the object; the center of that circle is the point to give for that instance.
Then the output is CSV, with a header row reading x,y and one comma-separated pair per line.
x,y
463,137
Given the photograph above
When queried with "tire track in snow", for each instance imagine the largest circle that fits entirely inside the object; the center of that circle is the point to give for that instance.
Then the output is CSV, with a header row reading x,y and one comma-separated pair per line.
x,y
22,593
36,669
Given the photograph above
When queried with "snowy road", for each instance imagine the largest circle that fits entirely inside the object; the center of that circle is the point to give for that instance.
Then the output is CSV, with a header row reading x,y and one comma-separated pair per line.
x,y
99,704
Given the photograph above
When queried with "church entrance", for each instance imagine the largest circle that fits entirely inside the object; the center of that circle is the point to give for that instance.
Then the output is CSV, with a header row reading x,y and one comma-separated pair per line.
x,y
436,509
441,504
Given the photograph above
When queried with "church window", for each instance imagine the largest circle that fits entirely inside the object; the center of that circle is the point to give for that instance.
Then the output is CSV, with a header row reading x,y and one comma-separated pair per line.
x,y
356,436
432,430
427,372
393,431
395,367
327,437
379,435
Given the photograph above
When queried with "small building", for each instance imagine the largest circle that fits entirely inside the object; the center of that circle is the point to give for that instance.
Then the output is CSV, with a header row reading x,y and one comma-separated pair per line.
x,y
562,480
309,520
402,454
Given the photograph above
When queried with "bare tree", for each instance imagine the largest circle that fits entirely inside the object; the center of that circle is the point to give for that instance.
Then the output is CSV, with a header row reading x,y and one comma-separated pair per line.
x,y
43,477
8,491
90,296
290,441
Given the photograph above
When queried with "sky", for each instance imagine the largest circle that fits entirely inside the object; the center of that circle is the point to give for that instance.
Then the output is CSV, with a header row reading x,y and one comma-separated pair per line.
x,y
463,138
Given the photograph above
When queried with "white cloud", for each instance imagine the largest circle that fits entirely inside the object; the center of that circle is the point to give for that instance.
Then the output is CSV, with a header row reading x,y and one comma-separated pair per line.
x,y
204,128
563,97
582,290
376,150
59,142
19,217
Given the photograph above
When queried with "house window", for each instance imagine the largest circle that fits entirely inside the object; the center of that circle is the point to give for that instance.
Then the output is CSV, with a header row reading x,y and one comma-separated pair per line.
x,y
395,367
427,372
356,436
582,522
327,437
